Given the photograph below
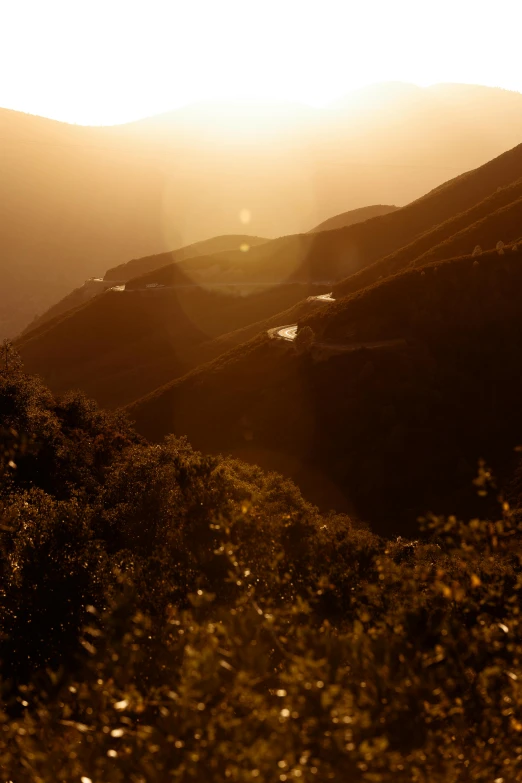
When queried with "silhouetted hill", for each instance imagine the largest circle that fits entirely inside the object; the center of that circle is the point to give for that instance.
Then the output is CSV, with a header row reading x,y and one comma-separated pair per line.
x,y
140,266
496,218
75,201
331,255
134,340
212,349
136,266
123,344
152,593
353,216
395,429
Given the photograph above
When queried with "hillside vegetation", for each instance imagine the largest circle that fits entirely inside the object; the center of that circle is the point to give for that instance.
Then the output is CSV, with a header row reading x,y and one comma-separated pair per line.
x,y
497,218
390,431
214,348
124,344
165,611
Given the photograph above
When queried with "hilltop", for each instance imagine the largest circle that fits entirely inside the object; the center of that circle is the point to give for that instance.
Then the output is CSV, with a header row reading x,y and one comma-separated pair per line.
x,y
353,216
75,201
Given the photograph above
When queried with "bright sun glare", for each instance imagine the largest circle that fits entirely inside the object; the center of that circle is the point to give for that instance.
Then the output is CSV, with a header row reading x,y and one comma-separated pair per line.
x,y
109,61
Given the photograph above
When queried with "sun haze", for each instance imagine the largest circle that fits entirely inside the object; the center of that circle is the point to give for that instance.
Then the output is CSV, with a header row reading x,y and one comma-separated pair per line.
x,y
102,62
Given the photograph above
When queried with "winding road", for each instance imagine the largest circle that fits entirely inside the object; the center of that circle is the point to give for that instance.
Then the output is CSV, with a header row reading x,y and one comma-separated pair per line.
x,y
321,298
287,332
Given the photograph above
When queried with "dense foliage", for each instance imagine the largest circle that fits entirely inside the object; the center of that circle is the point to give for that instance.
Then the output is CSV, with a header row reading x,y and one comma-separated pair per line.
x,y
171,616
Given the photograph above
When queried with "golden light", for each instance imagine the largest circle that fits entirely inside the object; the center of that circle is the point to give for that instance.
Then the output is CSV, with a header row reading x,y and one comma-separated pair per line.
x,y
100,62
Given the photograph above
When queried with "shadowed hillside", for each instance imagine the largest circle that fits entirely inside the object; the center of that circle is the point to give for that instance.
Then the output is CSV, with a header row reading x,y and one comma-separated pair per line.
x,y
214,348
75,201
134,340
136,266
123,344
394,430
150,592
497,218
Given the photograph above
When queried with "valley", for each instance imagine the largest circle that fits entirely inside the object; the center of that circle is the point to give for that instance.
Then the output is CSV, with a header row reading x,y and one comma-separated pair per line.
x,y
306,354
260,383
95,197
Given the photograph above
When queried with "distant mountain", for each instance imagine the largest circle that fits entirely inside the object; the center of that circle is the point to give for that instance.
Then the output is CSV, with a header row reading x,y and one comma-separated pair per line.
x,y
75,201
121,345
207,247
353,216
336,255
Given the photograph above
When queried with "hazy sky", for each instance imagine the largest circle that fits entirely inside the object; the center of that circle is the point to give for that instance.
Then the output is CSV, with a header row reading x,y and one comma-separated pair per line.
x,y
108,61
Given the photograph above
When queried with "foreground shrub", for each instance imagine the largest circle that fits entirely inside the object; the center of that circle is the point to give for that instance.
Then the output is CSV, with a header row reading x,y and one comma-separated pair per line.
x,y
176,617
421,684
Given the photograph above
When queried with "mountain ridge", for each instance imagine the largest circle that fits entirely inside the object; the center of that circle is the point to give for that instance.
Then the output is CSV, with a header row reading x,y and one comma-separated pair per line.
x,y
75,201
246,288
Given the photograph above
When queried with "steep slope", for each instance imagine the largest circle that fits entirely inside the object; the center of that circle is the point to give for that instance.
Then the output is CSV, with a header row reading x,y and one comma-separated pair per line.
x,y
123,344
396,429
123,272
497,217
331,255
212,349
231,290
75,201
353,216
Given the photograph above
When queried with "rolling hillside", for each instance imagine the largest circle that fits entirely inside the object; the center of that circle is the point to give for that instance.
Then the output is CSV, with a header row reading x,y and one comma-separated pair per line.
x,y
137,266
123,344
131,341
497,218
392,431
140,266
75,201
335,255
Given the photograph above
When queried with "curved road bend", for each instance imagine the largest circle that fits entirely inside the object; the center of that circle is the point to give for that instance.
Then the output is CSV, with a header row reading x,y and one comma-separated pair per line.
x,y
289,333
321,298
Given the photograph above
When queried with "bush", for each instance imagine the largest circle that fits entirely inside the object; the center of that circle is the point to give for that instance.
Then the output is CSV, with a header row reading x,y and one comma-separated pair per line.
x,y
194,619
